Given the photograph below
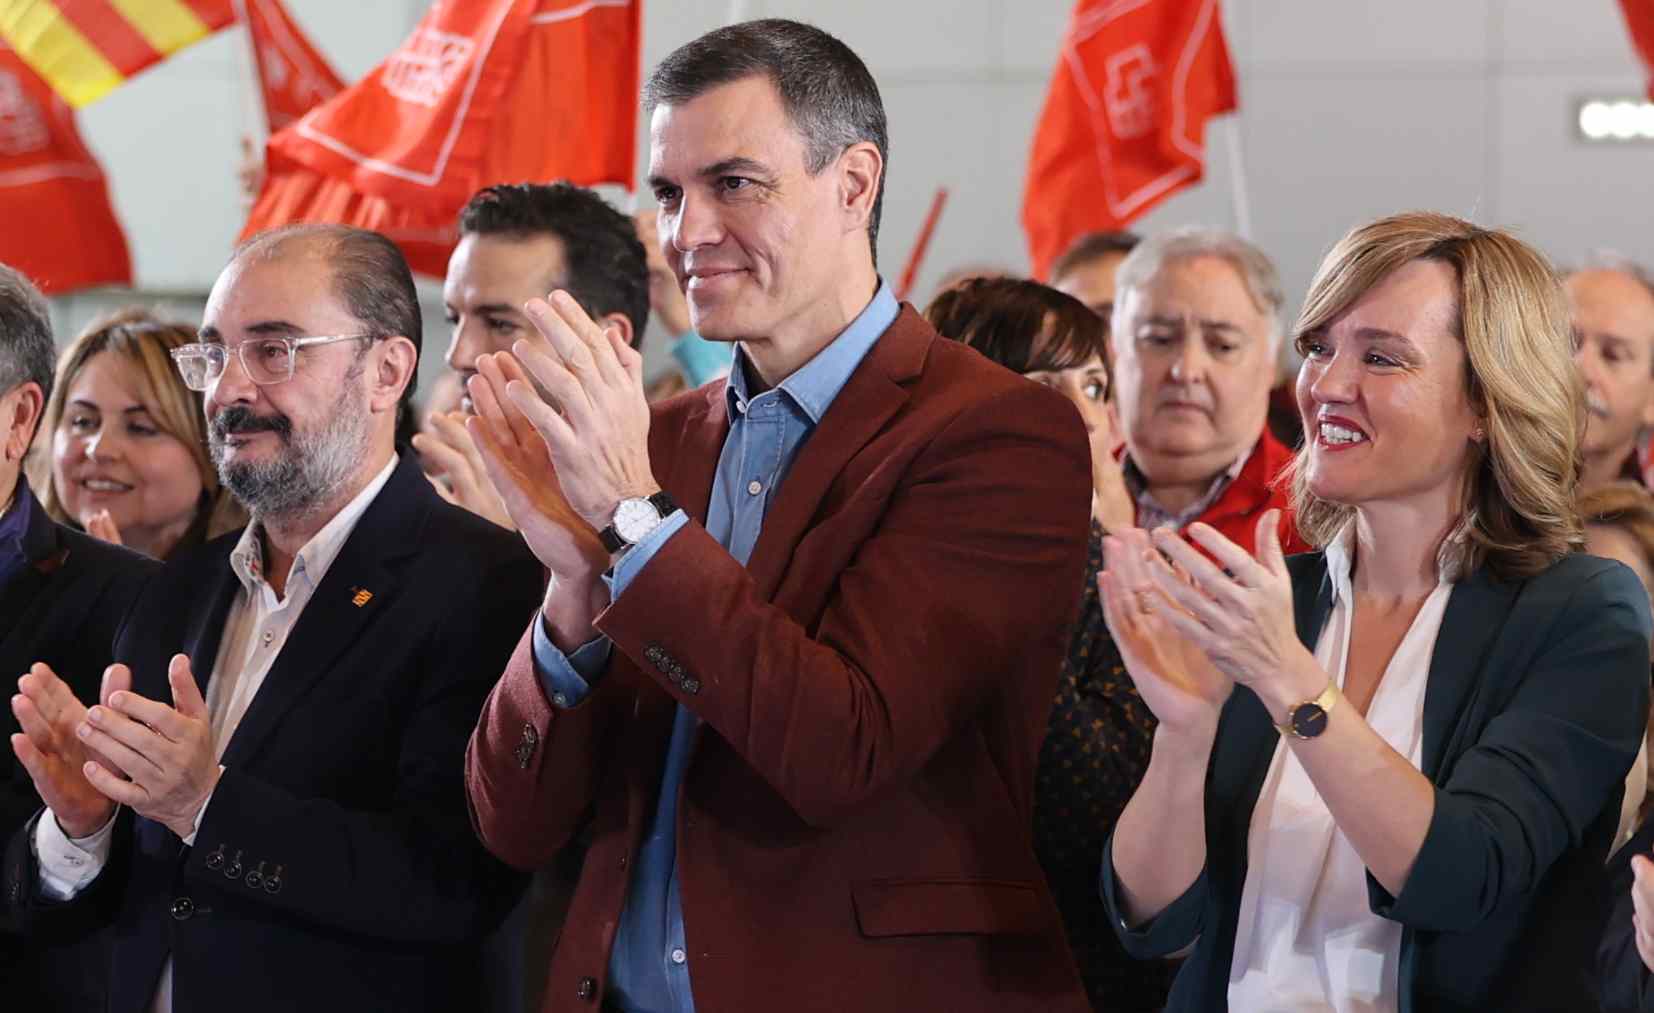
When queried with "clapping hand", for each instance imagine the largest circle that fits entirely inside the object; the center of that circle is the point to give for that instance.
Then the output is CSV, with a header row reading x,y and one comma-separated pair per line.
x,y
450,455
1240,616
1174,676
52,751
101,525
1642,908
165,752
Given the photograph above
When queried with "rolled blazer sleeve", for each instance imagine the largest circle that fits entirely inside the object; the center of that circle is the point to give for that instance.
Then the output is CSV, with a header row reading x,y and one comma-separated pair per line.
x,y
976,555
1179,925
1544,768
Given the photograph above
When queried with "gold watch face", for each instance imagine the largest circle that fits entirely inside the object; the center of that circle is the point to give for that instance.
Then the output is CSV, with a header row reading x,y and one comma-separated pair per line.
x,y
1308,720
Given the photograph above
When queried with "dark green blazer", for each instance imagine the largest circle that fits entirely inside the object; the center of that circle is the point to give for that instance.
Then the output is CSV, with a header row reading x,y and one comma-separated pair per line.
x,y
1536,703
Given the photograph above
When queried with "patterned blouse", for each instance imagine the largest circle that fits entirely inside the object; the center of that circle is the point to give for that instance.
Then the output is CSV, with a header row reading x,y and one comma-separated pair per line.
x,y
1094,754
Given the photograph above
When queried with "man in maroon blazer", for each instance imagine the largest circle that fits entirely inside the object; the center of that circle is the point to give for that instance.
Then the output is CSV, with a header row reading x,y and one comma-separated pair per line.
x,y
802,634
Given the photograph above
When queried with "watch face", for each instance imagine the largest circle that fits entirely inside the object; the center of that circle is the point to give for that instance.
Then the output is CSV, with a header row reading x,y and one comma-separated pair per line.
x,y
1308,720
635,518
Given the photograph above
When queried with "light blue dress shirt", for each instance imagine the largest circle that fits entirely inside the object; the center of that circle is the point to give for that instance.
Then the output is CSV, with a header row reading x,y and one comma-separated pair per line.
x,y
649,966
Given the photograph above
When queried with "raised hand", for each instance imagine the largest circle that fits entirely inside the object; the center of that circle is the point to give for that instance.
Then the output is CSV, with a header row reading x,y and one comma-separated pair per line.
x,y
450,453
1642,908
53,753
598,434
520,469
101,525
1241,616
1174,676
167,752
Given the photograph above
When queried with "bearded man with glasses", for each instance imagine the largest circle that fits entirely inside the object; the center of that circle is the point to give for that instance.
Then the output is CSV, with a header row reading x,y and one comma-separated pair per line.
x,y
268,801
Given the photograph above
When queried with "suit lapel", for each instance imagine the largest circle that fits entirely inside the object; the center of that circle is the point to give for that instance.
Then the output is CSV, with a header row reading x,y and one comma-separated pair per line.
x,y
204,631
875,392
357,587
694,465
1476,612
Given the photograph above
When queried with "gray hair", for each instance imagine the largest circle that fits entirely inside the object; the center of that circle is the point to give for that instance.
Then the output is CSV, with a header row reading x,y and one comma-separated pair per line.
x,y
26,349
827,90
1612,260
1158,252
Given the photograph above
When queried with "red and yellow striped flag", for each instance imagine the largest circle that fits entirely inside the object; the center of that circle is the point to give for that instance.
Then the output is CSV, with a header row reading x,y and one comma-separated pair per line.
x,y
86,48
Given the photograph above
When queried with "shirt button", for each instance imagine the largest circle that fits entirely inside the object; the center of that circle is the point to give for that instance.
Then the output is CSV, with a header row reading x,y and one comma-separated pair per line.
x,y
559,699
268,636
678,956
755,487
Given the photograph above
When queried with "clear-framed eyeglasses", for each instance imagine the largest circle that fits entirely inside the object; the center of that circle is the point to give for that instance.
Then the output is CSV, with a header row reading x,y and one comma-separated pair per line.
x,y
266,361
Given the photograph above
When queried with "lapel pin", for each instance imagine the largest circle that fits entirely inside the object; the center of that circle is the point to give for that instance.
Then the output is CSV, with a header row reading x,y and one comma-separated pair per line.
x,y
362,597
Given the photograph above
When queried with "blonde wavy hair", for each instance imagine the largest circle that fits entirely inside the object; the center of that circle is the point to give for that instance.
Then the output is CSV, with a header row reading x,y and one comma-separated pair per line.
x,y
1519,515
145,343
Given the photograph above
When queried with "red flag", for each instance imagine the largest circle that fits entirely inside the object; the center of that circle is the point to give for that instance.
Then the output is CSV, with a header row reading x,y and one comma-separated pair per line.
x,y
1125,117
294,77
482,92
1639,17
60,229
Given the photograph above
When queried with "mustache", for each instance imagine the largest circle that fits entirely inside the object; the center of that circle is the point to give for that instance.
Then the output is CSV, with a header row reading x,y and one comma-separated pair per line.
x,y
241,420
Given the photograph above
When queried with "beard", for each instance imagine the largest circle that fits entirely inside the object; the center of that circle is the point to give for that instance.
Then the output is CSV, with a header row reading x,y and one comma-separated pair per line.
x,y
308,471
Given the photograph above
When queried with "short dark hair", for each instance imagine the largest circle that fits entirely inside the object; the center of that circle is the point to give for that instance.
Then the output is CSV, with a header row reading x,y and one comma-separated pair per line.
x,y
608,268
1094,246
370,276
1020,324
827,90
27,353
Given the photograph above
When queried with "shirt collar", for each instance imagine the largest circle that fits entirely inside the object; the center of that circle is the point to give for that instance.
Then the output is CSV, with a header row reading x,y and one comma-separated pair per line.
x,y
312,561
1137,484
814,385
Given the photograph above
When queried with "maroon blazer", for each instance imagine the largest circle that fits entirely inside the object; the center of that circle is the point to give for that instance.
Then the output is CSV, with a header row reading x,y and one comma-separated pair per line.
x,y
854,824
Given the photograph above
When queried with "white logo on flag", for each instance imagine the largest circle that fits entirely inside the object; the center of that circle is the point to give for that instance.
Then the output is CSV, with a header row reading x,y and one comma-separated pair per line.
x,y
1129,92
425,68
22,129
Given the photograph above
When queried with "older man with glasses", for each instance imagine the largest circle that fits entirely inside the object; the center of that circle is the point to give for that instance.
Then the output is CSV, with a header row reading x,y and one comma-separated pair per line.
x,y
268,801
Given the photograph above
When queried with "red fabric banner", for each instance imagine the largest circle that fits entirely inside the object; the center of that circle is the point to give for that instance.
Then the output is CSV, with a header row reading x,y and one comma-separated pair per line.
x,y
60,228
1125,118
482,92
1639,18
293,75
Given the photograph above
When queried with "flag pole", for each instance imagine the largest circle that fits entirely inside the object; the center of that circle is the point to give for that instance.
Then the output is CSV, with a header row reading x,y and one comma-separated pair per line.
x,y
1238,197
251,82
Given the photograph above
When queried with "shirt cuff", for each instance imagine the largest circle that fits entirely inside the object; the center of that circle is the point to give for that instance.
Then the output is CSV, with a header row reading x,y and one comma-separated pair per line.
x,y
632,562
69,865
568,678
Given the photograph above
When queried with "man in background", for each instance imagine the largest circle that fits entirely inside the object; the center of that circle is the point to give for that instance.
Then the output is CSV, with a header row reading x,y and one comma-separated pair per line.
x,y
1195,333
1612,302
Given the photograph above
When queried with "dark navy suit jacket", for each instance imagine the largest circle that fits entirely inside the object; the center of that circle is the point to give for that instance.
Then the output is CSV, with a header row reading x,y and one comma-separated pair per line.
x,y
1536,703
335,868
62,608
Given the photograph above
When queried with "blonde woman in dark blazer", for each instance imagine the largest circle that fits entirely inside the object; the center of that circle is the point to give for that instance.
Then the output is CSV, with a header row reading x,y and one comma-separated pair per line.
x,y
1387,772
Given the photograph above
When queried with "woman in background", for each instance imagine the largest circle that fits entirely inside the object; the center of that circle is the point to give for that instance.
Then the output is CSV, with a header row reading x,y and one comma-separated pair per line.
x,y
123,443
1097,743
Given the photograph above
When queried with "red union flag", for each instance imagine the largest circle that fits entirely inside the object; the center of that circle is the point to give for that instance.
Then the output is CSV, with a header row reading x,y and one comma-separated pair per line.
x,y
293,76
1125,118
59,229
482,92
1639,18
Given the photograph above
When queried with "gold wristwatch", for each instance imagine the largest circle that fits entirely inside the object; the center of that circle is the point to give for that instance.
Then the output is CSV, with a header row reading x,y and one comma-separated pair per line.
x,y
1309,719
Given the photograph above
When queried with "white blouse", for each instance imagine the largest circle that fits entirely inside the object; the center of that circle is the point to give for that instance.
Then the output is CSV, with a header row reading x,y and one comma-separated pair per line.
x,y
1307,938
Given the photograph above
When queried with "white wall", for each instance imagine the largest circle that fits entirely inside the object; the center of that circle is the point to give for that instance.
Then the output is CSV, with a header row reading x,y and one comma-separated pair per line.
x,y
1349,110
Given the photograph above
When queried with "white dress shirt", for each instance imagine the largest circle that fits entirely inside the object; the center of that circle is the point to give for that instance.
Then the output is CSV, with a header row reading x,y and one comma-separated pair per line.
x,y
255,630
1306,938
